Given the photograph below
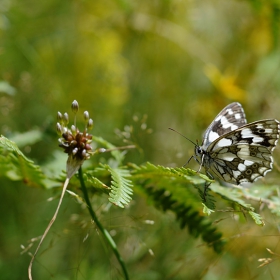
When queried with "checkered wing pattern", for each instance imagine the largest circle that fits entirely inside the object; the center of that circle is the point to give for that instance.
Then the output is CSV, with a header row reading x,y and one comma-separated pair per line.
x,y
229,119
244,152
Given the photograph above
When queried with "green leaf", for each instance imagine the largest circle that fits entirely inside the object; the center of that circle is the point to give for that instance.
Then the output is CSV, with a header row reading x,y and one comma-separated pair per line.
x,y
232,195
185,178
16,166
235,195
206,196
121,184
257,218
95,182
187,215
175,189
267,195
27,138
207,210
150,170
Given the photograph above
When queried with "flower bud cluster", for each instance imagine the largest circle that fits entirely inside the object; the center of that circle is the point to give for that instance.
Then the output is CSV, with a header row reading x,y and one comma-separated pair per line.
x,y
75,143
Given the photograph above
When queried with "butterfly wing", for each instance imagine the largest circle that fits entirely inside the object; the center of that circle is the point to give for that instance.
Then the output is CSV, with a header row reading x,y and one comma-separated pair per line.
x,y
229,119
245,154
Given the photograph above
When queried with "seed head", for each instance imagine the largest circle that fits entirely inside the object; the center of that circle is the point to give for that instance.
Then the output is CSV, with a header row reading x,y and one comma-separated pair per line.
x,y
74,142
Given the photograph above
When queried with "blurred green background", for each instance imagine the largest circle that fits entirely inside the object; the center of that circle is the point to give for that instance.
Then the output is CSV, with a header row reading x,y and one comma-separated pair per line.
x,y
146,65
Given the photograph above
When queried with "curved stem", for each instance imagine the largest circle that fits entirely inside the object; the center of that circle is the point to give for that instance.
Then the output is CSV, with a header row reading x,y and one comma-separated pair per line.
x,y
48,228
105,233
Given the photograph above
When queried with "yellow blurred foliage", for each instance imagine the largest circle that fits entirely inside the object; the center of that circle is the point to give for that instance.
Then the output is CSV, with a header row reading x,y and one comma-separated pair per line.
x,y
225,83
261,38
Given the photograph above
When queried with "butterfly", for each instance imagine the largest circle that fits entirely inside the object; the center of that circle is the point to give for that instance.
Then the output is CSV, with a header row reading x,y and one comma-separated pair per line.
x,y
237,152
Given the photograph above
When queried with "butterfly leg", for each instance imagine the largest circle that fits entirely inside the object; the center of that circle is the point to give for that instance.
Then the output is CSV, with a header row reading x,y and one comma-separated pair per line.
x,y
207,185
200,164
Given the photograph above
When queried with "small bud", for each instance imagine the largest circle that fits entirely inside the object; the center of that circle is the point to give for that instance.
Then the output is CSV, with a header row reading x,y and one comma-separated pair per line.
x,y
59,129
84,153
90,124
59,117
73,143
88,147
73,128
75,106
75,151
65,118
86,116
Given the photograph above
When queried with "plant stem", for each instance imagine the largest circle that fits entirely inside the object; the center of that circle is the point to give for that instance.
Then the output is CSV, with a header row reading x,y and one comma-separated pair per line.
x,y
48,227
105,233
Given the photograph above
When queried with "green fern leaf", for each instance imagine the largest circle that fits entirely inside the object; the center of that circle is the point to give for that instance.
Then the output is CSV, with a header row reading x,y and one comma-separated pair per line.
x,y
187,216
97,184
121,184
174,189
16,166
185,174
185,178
265,195
257,218
207,210
235,196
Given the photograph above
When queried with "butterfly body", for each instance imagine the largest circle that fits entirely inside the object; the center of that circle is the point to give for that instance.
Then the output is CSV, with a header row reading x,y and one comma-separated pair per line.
x,y
237,152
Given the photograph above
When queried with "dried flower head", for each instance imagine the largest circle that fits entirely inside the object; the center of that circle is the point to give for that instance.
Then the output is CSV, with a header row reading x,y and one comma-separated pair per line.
x,y
74,142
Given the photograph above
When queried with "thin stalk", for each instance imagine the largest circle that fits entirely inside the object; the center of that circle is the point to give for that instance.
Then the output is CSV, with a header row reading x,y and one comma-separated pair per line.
x,y
105,233
48,228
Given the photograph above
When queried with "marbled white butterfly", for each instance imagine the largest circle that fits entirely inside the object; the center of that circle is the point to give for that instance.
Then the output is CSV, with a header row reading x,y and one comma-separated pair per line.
x,y
237,152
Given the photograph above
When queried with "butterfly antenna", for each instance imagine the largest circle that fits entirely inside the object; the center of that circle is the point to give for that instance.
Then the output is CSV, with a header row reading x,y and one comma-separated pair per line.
x,y
183,136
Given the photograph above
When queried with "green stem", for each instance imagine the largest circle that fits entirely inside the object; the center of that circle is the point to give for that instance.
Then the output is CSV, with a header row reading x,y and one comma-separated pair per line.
x,y
105,233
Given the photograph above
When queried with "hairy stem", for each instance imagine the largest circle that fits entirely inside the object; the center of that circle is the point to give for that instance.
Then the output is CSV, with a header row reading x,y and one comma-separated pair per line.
x,y
105,233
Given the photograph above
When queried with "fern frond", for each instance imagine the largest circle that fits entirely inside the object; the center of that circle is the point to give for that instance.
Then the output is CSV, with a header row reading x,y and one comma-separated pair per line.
x,y
206,197
121,185
257,218
95,182
16,166
184,178
173,189
235,196
188,216
186,174
265,195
